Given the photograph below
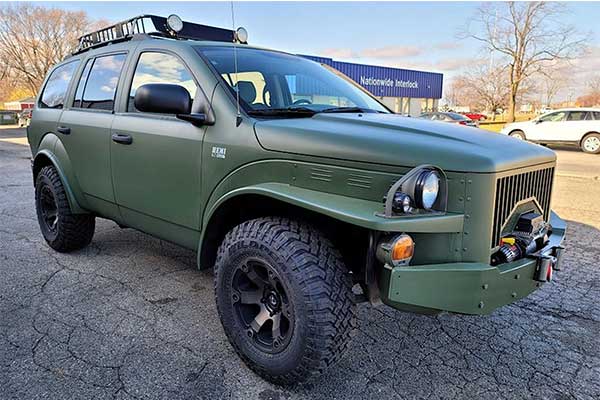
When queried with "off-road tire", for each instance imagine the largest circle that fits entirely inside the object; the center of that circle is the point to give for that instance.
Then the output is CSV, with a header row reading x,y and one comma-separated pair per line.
x,y
590,136
518,134
320,290
71,231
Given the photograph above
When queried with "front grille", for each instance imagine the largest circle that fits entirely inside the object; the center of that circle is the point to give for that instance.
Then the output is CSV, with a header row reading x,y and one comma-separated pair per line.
x,y
512,189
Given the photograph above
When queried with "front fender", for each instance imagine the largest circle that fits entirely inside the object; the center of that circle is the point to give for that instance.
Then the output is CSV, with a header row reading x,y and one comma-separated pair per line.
x,y
355,211
52,149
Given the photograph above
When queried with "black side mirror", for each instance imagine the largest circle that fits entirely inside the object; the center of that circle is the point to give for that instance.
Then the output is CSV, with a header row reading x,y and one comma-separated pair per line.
x,y
163,98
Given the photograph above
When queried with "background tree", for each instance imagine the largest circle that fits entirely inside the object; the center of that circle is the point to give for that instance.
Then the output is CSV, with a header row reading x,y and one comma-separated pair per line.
x,y
528,36
553,78
33,39
592,97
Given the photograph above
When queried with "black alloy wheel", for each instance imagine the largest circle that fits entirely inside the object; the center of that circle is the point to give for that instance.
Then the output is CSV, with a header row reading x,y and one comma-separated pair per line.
x,y
48,210
63,230
285,298
261,305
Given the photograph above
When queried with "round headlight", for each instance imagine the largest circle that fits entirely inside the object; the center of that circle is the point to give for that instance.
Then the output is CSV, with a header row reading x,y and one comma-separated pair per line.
x,y
427,189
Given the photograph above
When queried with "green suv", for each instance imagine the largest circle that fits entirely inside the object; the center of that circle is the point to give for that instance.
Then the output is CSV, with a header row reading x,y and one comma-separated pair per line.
x,y
303,192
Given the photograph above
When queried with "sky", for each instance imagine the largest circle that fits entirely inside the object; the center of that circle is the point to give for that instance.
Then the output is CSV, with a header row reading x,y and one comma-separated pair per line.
x,y
413,35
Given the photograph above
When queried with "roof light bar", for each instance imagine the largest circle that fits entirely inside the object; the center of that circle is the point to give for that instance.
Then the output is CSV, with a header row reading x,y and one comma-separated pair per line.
x,y
154,25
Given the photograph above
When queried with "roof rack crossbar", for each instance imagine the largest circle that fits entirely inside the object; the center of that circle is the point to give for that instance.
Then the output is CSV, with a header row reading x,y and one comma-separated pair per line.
x,y
125,30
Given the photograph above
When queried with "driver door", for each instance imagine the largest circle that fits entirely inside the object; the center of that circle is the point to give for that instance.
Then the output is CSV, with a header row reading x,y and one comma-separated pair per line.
x,y
157,170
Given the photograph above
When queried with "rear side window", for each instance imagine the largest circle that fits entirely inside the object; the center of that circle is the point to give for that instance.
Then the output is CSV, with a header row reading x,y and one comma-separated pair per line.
x,y
101,83
56,87
597,115
154,67
578,116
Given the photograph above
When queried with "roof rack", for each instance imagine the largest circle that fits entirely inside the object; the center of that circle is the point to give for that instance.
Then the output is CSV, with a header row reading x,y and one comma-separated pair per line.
x,y
125,30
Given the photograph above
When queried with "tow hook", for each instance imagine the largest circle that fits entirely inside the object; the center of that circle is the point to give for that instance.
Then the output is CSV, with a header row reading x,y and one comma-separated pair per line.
x,y
543,270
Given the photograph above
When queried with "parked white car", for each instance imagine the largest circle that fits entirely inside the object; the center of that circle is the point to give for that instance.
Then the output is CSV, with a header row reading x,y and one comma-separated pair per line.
x,y
575,126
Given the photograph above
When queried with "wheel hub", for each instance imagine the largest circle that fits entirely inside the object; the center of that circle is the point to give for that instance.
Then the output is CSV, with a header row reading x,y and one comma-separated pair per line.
x,y
272,302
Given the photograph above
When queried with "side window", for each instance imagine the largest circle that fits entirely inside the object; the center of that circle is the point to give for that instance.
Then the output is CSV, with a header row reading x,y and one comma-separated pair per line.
x,y
155,67
597,115
554,117
56,87
577,116
101,85
81,85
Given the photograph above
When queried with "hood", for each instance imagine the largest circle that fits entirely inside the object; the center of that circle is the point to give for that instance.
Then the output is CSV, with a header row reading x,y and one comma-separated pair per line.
x,y
401,141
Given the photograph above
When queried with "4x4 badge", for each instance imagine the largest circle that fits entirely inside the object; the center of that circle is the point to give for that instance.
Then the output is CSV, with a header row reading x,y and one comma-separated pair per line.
x,y
218,152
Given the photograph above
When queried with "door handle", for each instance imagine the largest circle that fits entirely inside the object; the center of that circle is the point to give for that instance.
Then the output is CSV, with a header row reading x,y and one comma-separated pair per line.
x,y
64,130
122,138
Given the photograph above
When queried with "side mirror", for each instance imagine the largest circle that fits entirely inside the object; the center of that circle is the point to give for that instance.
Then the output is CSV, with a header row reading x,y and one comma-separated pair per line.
x,y
538,121
165,98
162,98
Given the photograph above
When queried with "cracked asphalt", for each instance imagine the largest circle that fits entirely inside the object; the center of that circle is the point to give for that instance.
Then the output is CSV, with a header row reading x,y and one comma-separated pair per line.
x,y
130,317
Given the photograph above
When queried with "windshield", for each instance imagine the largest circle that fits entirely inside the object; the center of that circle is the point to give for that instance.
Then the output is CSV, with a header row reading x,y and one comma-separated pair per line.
x,y
458,117
277,84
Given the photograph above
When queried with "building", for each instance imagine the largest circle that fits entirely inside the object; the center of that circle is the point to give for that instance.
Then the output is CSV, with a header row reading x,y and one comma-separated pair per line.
x,y
20,105
403,91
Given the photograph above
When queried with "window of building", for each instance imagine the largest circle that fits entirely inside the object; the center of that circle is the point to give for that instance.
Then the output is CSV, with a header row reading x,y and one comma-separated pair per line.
x,y
101,84
56,87
81,85
154,67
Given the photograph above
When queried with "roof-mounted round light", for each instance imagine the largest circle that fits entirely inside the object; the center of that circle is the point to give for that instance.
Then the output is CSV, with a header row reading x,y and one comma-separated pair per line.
x,y
241,35
174,23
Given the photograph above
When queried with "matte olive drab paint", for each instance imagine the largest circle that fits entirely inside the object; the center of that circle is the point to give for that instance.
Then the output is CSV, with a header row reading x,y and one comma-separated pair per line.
x,y
467,288
174,177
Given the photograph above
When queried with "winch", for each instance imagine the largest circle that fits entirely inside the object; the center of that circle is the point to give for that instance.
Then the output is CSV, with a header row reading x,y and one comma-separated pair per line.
x,y
530,234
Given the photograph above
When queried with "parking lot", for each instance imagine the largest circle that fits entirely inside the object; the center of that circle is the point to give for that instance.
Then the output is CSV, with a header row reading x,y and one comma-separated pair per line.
x,y
131,317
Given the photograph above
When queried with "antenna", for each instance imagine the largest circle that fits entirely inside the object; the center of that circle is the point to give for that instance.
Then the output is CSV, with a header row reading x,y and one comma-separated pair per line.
x,y
238,119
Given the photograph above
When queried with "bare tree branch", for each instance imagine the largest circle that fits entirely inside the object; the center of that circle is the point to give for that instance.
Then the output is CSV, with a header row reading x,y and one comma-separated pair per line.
x,y
529,36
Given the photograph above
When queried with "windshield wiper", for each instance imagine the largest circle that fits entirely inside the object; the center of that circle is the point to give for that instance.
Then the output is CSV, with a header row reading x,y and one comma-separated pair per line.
x,y
289,111
348,110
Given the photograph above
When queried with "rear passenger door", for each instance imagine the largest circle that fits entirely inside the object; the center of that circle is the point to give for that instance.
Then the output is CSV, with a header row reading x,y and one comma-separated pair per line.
x,y
157,175
578,123
85,129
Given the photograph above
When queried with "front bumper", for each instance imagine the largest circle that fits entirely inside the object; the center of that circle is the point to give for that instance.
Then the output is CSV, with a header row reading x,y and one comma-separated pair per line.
x,y
469,288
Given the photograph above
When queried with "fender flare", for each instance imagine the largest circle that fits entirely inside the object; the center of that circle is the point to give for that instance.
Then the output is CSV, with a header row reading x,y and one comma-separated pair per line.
x,y
45,151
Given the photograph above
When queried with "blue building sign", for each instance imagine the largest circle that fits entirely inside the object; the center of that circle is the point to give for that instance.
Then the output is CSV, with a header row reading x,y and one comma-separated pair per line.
x,y
387,81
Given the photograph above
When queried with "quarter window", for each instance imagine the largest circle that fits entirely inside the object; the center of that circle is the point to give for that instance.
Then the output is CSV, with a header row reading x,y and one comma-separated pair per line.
x,y
55,91
101,84
156,67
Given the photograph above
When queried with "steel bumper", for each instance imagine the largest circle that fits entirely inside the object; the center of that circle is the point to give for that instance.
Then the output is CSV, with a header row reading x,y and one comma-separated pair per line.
x,y
470,288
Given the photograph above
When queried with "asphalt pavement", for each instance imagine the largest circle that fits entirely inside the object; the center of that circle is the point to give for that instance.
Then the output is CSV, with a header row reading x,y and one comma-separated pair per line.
x,y
130,317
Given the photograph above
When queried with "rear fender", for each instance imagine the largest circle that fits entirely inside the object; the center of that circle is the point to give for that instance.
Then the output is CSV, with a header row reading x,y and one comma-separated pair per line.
x,y
51,151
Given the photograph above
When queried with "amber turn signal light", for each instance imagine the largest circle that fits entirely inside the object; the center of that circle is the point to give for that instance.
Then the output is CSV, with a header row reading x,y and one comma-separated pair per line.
x,y
396,251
